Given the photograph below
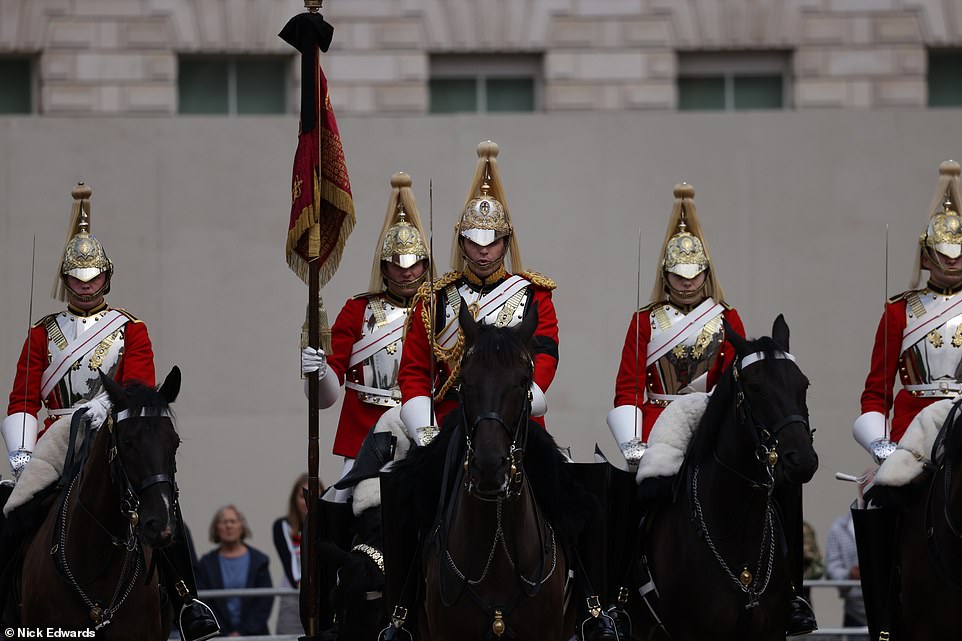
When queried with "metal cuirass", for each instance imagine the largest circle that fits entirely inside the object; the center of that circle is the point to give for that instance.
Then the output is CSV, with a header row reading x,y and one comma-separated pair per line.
x,y
509,314
82,381
937,358
381,368
685,367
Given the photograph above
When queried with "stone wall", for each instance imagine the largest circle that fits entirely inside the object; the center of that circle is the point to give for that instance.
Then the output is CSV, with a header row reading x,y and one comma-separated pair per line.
x,y
120,56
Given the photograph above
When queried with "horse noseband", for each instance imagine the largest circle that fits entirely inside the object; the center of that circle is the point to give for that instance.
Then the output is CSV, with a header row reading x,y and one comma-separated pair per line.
x,y
515,452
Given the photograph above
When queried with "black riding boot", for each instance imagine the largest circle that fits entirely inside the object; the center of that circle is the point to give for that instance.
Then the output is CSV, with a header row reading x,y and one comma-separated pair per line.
x,y
591,559
623,514
195,620
876,537
801,617
335,526
401,571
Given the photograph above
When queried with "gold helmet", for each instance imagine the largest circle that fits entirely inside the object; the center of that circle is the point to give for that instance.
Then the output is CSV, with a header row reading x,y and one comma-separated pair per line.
x,y
402,241
485,217
943,230
685,251
84,256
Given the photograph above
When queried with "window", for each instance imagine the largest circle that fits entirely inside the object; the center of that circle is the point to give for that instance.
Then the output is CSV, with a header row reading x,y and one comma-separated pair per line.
x,y
733,81
16,90
945,78
239,85
485,84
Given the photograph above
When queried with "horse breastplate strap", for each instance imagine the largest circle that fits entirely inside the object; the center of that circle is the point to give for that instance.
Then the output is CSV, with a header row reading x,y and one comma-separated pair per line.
x,y
684,368
81,382
380,369
932,366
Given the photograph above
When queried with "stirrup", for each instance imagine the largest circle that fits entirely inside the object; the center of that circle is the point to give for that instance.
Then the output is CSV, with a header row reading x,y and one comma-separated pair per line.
x,y
599,624
395,630
195,611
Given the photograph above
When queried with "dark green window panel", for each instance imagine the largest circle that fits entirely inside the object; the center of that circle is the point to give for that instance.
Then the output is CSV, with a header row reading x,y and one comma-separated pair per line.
x,y
510,94
453,95
15,90
202,87
758,92
261,86
945,79
701,94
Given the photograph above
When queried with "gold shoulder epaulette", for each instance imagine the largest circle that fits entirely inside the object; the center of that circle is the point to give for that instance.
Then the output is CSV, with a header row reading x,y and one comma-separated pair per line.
x,y
539,280
444,280
652,305
364,295
727,307
132,318
48,317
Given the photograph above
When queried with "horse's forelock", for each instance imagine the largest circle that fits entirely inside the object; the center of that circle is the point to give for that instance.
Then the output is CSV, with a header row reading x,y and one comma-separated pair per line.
x,y
145,400
496,347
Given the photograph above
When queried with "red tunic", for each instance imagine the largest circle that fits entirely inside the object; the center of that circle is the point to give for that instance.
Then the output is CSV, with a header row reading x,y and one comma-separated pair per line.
x,y
136,364
415,375
628,384
357,417
886,362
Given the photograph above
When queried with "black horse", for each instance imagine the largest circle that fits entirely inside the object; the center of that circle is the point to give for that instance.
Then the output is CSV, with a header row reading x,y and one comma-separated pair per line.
x,y
114,511
717,554
494,503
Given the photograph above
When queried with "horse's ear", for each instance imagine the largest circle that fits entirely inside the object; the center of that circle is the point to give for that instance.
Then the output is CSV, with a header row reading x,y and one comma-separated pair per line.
x,y
528,325
468,325
114,390
780,332
171,387
737,341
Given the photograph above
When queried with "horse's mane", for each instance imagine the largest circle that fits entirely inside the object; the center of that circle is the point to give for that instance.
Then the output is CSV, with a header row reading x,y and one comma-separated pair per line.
x,y
141,398
722,402
496,348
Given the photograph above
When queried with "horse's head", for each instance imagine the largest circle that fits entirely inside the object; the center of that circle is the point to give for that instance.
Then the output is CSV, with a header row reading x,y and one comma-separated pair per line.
x,y
143,445
495,397
770,392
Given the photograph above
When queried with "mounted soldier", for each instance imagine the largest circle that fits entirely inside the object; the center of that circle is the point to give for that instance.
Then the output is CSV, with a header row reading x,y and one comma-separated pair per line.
x,y
676,346
367,342
59,371
919,343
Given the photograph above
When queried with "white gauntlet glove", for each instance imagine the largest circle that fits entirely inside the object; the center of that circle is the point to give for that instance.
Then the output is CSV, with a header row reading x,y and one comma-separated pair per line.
x,y
313,360
20,433
869,431
419,422
18,461
96,409
625,424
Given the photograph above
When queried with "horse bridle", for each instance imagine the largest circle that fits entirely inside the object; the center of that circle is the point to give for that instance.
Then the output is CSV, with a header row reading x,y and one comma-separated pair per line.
x,y
766,438
519,439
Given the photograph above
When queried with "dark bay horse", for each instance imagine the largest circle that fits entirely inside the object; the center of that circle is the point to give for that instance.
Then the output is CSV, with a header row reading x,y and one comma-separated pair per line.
x,y
716,552
494,562
930,543
89,565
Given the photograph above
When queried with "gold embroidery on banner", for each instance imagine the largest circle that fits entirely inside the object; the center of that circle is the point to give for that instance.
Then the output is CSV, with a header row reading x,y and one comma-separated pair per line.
x,y
935,338
100,352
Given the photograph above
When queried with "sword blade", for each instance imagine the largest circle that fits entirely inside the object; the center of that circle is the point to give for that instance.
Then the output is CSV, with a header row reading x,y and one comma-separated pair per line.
x,y
33,266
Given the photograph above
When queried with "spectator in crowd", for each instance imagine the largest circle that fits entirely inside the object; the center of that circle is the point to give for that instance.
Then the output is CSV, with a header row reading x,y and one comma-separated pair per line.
x,y
233,565
287,540
813,568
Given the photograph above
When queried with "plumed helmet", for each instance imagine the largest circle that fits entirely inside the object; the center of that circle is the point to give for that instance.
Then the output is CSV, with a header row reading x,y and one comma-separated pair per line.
x,y
942,235
484,218
84,256
944,231
402,240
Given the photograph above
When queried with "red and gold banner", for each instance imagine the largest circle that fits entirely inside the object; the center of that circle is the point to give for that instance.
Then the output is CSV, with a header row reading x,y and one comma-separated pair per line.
x,y
322,207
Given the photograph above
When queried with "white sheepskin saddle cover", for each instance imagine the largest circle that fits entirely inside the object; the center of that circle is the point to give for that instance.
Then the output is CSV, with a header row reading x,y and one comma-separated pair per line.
x,y
905,464
45,466
670,435
367,493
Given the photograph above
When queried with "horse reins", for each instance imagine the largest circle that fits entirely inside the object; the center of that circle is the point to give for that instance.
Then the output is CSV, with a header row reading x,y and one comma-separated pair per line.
x,y
766,442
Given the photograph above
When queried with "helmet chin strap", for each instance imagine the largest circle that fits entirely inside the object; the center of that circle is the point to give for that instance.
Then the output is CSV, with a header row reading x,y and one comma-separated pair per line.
x,y
685,299
404,290
86,298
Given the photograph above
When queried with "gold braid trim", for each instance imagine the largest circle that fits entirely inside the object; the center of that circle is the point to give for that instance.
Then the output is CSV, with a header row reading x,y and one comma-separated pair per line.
x,y
452,356
540,280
